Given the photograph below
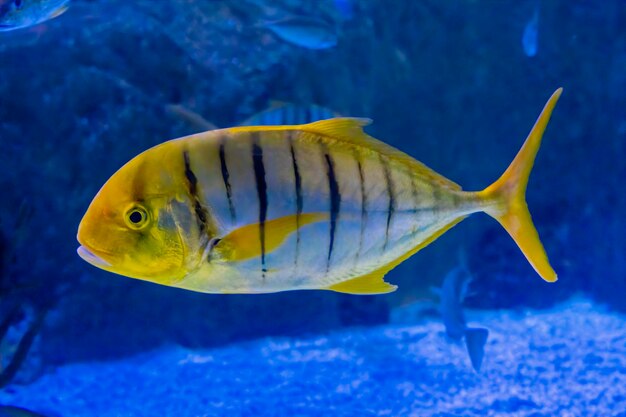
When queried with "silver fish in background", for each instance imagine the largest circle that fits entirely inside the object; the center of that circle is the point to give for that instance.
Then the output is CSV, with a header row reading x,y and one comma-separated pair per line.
x,y
279,113
17,14
306,32
452,294
531,34
289,114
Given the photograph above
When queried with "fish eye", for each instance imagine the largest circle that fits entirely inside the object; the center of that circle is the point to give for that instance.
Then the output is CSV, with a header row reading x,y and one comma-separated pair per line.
x,y
136,217
18,3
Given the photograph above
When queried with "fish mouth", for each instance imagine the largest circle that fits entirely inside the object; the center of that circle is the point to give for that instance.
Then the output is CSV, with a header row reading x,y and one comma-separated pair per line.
x,y
92,258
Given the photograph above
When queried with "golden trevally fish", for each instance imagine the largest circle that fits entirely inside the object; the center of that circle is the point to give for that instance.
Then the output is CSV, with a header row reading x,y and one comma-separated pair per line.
x,y
274,208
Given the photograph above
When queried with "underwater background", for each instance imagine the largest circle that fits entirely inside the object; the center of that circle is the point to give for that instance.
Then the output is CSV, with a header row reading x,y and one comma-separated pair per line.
x,y
456,84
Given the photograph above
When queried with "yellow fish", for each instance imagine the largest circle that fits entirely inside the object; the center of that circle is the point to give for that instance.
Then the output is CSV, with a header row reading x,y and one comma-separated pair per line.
x,y
273,208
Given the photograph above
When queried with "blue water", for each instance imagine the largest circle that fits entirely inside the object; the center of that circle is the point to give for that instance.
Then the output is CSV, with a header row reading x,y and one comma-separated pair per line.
x,y
457,85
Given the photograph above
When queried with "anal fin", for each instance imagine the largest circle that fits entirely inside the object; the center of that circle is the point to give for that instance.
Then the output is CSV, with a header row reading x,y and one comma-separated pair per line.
x,y
374,282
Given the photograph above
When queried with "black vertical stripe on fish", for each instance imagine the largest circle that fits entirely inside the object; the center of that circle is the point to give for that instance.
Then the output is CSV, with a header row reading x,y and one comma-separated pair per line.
x,y
138,182
363,204
392,198
261,188
416,200
414,192
335,203
456,199
192,182
298,191
225,177
436,198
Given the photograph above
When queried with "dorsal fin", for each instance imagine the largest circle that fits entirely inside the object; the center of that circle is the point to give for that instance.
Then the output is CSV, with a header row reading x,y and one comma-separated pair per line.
x,y
350,130
347,129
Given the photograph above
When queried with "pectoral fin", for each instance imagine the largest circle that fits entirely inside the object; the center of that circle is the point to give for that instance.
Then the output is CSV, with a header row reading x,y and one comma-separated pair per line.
x,y
245,243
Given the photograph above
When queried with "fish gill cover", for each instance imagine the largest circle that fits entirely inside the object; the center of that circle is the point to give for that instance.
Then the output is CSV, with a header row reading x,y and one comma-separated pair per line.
x,y
455,84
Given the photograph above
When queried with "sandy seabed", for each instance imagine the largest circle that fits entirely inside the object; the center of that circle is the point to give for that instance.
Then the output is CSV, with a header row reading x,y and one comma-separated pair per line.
x,y
568,361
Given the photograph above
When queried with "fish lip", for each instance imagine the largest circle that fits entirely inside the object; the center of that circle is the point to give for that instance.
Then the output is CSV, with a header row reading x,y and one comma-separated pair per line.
x,y
92,258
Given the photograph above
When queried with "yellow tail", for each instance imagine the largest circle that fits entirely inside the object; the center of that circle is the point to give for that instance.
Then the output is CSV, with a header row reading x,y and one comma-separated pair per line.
x,y
505,199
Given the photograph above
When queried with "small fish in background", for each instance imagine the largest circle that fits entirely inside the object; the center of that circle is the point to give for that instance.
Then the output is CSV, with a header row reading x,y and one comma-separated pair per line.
x,y
306,32
451,295
281,113
531,34
16,14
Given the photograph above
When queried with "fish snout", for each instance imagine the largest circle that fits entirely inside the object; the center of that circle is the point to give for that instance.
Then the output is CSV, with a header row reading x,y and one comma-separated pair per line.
x,y
90,257
87,250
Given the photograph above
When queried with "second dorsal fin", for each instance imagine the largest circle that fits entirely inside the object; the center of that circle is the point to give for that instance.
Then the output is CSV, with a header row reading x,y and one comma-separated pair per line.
x,y
350,130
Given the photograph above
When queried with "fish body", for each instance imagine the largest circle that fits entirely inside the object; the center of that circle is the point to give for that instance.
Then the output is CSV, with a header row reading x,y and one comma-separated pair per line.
x,y
273,208
16,14
306,32
289,114
530,36
452,294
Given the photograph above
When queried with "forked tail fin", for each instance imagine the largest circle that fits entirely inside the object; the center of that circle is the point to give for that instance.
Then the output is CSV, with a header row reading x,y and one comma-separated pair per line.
x,y
505,199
